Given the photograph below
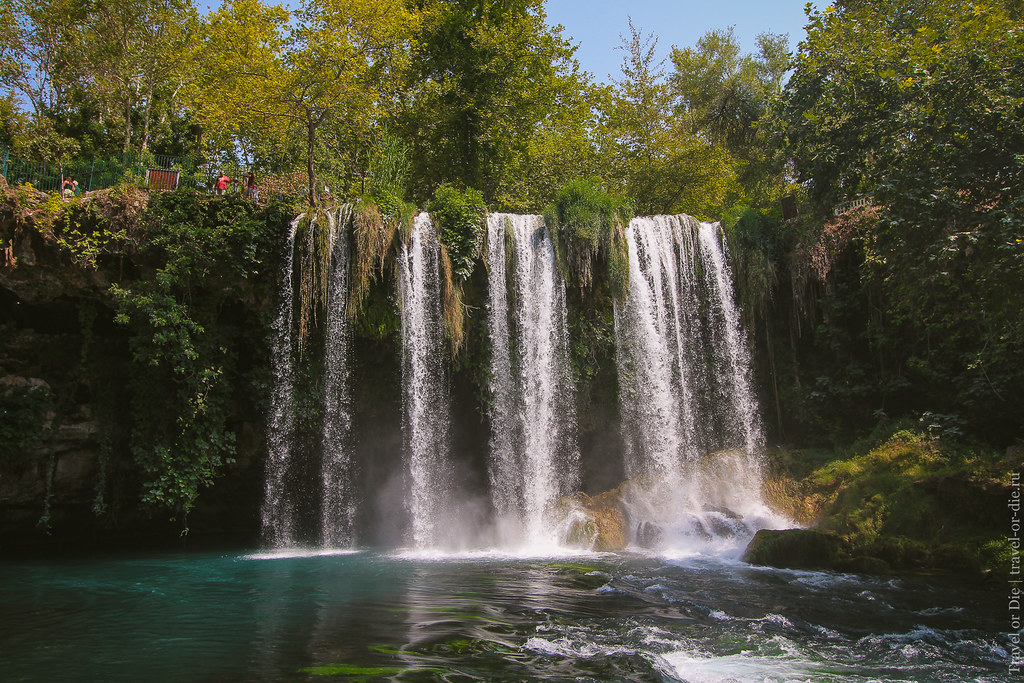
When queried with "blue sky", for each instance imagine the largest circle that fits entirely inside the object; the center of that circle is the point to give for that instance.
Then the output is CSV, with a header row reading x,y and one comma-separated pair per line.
x,y
595,25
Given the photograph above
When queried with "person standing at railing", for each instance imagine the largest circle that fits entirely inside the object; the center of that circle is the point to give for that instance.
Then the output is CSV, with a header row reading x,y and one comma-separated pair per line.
x,y
252,190
221,184
69,188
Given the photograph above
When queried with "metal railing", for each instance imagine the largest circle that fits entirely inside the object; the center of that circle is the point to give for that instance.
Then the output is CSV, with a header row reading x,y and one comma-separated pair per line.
x,y
156,171
853,204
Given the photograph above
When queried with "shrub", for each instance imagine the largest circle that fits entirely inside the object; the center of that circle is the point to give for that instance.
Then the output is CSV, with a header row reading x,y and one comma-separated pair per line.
x,y
587,227
459,218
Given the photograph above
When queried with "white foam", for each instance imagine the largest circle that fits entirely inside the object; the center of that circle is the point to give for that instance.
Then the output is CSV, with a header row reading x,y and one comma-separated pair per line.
x,y
553,552
738,668
566,647
291,553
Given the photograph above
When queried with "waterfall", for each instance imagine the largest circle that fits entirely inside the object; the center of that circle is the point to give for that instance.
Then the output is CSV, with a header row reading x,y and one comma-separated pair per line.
x,y
684,381
286,493
533,458
654,369
277,512
691,430
425,395
338,507
742,423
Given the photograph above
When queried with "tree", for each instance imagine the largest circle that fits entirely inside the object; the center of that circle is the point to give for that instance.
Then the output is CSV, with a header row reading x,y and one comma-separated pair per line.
x,y
917,105
242,55
326,81
658,163
136,52
722,95
14,125
97,70
487,74
36,51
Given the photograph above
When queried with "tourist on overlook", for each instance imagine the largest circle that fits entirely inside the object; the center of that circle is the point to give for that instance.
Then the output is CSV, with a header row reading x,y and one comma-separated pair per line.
x,y
252,190
221,184
69,188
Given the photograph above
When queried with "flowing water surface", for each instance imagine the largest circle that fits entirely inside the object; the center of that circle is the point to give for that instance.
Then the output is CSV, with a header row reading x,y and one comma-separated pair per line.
x,y
384,616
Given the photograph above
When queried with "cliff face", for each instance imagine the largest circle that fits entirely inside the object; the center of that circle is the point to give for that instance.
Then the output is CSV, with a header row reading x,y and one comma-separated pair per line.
x,y
135,372
73,342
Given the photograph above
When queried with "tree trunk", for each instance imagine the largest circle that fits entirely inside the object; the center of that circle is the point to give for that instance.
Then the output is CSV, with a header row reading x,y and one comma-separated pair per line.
x,y
127,128
310,148
146,117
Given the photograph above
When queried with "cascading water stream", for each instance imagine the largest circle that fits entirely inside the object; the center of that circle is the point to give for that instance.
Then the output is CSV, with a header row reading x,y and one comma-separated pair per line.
x,y
285,518
534,459
733,361
655,394
426,404
338,508
277,514
690,423
684,383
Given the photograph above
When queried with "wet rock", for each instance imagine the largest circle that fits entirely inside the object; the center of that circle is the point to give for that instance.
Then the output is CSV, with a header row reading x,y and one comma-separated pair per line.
x,y
18,382
794,548
74,475
723,528
598,522
723,511
698,529
649,535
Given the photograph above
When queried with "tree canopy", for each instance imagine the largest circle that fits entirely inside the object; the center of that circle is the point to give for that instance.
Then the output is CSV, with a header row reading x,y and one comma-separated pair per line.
x,y
915,108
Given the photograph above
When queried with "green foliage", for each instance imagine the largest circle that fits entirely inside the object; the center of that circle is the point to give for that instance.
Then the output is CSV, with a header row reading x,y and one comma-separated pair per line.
x,y
198,236
486,75
83,233
388,173
183,354
23,413
14,125
759,243
587,225
309,86
662,166
917,105
914,502
459,217
723,93
180,406
724,96
51,208
377,317
102,75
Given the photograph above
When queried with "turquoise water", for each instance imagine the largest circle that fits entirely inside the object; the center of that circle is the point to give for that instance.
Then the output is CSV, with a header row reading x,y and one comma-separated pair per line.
x,y
376,616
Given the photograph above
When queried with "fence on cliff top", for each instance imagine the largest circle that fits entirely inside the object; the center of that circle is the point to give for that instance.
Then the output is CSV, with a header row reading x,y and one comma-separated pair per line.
x,y
156,171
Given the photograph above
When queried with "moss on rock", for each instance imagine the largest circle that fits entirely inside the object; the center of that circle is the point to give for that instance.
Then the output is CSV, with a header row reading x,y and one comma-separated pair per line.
x,y
907,503
795,548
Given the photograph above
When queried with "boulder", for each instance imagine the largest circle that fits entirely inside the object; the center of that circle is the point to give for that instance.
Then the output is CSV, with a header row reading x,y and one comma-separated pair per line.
x,y
649,535
794,549
596,523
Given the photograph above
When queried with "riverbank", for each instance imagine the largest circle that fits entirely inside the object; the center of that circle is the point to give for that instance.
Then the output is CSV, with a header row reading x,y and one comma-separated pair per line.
x,y
902,503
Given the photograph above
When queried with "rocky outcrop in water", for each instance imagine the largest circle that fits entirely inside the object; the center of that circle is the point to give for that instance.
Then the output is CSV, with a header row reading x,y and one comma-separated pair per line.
x,y
794,549
596,522
909,504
